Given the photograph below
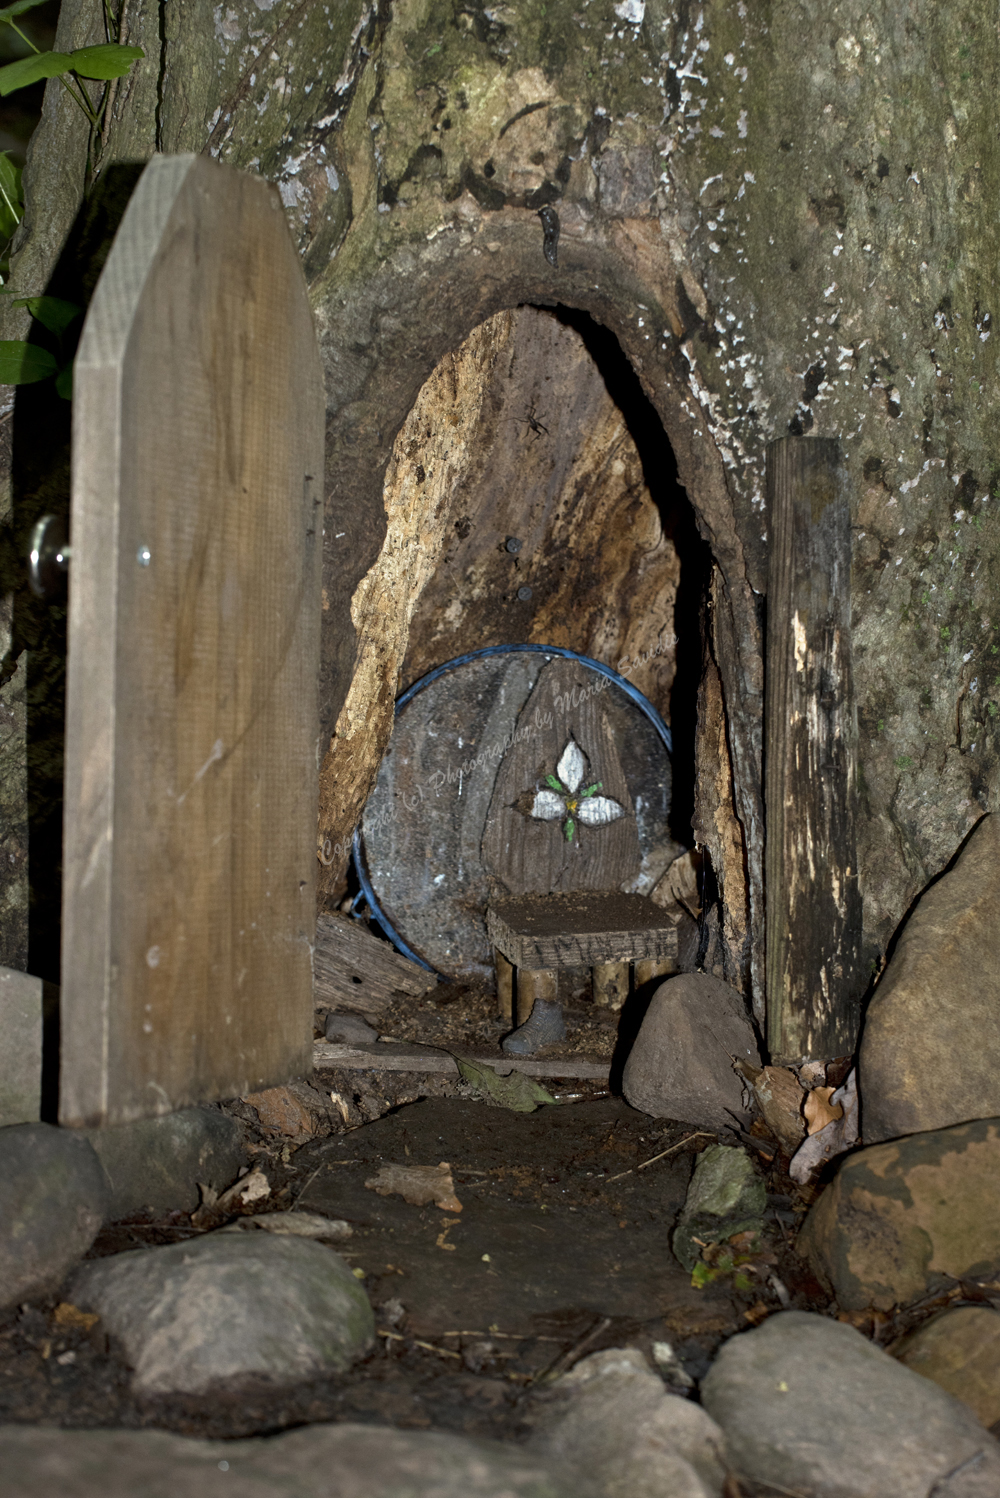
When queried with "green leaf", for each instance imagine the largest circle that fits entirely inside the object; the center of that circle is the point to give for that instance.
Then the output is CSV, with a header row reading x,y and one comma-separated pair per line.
x,y
18,8
518,1092
30,69
50,311
107,61
569,827
555,784
24,363
64,381
11,197
592,790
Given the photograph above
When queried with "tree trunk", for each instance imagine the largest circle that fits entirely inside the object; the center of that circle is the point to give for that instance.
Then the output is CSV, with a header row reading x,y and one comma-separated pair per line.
x,y
786,220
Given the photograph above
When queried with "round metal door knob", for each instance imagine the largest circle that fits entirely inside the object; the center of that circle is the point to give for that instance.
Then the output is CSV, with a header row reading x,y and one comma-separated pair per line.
x,y
48,557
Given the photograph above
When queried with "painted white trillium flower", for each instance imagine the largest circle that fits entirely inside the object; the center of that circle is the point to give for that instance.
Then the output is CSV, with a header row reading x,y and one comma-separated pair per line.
x,y
566,800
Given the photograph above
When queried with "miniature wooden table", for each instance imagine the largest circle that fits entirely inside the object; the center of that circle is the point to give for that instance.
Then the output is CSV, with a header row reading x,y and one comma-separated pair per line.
x,y
534,935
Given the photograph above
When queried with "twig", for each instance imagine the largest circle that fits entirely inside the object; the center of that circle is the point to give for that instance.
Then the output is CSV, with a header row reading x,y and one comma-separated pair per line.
x,y
700,1134
444,1352
506,1336
573,1354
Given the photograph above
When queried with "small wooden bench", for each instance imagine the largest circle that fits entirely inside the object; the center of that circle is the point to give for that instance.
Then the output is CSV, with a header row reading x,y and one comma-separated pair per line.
x,y
534,935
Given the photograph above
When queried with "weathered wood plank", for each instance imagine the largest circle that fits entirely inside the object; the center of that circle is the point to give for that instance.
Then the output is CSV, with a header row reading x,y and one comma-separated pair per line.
x,y
396,1056
580,930
352,969
191,728
814,966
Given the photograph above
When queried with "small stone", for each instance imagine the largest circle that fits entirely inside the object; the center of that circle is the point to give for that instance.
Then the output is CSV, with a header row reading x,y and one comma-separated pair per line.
x,y
930,1049
681,1065
726,1196
353,1461
223,1308
809,1405
899,1218
21,1052
612,1417
349,1029
54,1196
960,1350
158,1162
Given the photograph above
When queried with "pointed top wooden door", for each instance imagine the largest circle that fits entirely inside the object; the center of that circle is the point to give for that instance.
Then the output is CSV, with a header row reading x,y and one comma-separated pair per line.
x,y
191,763
561,817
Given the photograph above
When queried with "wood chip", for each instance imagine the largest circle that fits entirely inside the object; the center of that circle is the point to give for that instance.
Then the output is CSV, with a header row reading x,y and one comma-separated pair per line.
x,y
420,1185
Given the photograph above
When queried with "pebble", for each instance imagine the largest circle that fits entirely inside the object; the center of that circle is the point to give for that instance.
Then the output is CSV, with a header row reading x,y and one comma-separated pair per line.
x,y
809,1405
352,1461
903,1218
930,1048
681,1065
612,1416
54,1197
349,1029
223,1308
960,1350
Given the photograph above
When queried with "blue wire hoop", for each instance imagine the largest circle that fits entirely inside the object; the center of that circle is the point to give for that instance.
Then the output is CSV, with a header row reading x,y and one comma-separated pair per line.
x,y
632,692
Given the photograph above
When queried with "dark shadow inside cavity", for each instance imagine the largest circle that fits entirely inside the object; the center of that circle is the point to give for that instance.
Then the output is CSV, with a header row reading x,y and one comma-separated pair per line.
x,y
659,467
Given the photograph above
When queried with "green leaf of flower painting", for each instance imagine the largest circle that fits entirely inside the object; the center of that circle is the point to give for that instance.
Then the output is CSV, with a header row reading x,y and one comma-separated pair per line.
x,y
569,827
555,784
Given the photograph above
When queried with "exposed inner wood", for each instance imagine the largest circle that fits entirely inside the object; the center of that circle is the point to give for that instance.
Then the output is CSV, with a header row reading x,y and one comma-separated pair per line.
x,y
534,983
611,983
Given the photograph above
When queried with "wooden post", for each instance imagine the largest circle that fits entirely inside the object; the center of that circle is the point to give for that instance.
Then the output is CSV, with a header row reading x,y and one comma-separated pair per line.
x,y
610,984
533,983
814,972
191,718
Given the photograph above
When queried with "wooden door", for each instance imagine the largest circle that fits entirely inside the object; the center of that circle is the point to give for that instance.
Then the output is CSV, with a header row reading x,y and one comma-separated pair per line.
x,y
191,728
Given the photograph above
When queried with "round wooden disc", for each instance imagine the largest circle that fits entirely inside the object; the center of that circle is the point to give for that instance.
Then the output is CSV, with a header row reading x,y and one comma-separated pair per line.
x,y
455,738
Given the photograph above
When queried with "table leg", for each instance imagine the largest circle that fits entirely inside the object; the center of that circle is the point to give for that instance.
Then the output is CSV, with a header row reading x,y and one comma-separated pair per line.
x,y
533,983
611,984
653,967
505,986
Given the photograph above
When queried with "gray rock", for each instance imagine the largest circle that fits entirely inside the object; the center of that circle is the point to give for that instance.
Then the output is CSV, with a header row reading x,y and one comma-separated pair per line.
x,y
21,1051
54,1197
810,1405
348,1029
681,1065
726,1196
898,1217
224,1308
351,1461
158,1162
612,1416
930,1050
959,1350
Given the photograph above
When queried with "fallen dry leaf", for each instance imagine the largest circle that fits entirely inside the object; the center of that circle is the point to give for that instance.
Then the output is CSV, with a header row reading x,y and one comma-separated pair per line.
x,y
252,1187
419,1185
820,1110
293,1225
72,1318
833,1138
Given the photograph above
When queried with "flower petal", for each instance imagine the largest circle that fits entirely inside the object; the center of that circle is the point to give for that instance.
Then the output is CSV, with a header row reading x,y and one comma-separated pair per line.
x,y
572,766
548,806
598,811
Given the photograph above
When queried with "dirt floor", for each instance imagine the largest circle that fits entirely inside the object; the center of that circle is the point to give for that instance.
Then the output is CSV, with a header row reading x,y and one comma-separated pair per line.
x,y
561,1248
